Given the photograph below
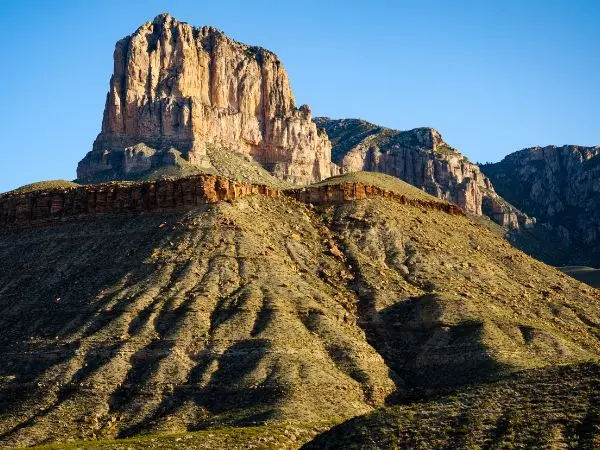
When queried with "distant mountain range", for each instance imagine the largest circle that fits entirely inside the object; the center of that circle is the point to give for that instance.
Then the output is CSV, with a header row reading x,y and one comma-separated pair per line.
x,y
560,186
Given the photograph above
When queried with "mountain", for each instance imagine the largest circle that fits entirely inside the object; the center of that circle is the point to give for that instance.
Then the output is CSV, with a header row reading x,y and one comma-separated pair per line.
x,y
421,158
195,303
545,408
178,92
560,186
206,282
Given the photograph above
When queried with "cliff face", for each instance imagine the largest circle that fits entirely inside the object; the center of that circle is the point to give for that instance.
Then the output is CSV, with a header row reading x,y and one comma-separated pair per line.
x,y
560,186
421,158
179,89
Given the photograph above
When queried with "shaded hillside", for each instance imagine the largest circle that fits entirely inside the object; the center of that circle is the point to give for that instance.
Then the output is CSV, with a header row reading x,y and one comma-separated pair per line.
x,y
421,158
587,275
559,186
545,408
264,309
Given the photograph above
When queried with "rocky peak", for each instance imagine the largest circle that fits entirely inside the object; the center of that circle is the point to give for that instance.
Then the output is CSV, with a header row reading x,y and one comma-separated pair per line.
x,y
422,158
181,90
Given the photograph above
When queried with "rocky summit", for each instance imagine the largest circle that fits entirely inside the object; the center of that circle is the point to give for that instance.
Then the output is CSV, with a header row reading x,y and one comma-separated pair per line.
x,y
179,91
422,158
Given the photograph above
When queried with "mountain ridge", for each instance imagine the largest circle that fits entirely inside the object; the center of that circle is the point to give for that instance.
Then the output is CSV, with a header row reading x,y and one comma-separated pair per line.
x,y
557,184
422,158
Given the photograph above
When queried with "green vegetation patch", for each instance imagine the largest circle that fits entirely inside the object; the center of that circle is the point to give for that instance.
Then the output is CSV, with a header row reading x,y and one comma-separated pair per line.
x,y
557,407
382,181
260,437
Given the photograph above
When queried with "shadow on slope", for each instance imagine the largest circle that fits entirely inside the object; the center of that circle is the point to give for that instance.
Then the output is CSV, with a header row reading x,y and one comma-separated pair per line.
x,y
557,407
588,275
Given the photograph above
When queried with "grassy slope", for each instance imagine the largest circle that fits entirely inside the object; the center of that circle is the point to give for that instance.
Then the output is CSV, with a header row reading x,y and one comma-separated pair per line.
x,y
44,186
223,161
380,180
262,437
265,310
169,323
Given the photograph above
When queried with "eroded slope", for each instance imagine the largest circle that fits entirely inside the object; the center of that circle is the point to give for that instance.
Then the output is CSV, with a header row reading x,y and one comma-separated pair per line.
x,y
446,301
118,325
265,309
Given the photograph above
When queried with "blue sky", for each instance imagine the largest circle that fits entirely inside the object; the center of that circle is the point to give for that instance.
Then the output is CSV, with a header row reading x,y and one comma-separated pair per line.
x,y
492,76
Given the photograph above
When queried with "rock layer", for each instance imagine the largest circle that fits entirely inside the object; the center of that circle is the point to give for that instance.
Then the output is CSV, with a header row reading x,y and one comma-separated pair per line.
x,y
560,186
176,90
180,194
421,158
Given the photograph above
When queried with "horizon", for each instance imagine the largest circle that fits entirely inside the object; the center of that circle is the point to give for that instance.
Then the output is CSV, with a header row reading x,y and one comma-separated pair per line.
x,y
537,89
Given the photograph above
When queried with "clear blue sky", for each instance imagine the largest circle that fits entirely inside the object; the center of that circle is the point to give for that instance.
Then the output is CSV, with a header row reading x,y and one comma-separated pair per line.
x,y
492,76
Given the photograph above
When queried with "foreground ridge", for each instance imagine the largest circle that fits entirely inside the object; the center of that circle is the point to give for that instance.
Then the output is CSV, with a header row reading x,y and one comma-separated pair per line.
x,y
263,310
178,195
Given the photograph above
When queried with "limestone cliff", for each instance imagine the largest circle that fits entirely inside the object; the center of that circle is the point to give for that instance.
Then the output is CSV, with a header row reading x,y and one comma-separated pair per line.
x,y
421,158
177,91
560,186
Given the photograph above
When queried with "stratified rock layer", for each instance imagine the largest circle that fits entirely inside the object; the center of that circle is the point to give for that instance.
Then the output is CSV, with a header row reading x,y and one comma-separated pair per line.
x,y
421,158
560,186
181,194
177,90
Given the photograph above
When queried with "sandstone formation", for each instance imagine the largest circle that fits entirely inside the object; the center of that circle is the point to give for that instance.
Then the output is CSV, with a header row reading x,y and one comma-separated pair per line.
x,y
421,158
181,194
560,186
177,91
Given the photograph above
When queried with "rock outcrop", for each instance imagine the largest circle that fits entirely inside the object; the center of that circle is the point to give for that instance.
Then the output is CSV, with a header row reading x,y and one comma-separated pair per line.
x,y
560,186
178,90
181,194
421,158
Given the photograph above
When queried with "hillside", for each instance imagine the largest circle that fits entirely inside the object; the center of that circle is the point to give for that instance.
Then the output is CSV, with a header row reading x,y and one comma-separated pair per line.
x,y
262,309
49,185
544,408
